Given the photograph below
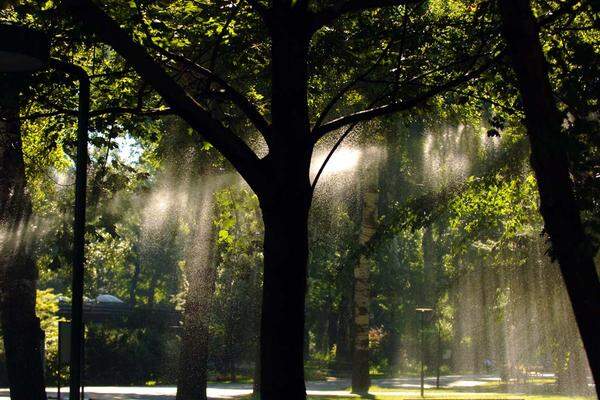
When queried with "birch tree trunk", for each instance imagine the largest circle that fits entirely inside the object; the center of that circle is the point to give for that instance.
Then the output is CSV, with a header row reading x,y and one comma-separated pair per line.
x,y
360,356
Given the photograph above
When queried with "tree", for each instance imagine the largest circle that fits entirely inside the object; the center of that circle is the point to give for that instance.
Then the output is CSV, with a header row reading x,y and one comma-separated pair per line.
x,y
196,215
550,162
281,178
200,273
23,337
362,295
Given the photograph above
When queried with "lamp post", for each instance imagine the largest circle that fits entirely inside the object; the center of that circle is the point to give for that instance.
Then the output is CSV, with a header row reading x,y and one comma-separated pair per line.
x,y
23,50
422,311
438,362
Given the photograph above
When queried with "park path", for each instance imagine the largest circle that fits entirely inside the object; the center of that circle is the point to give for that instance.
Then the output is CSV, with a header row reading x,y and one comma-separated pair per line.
x,y
331,388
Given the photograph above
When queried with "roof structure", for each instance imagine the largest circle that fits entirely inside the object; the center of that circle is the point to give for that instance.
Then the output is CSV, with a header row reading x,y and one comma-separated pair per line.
x,y
108,309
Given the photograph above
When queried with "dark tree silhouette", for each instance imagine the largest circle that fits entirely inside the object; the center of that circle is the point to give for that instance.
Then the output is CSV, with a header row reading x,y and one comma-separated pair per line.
x,y
21,330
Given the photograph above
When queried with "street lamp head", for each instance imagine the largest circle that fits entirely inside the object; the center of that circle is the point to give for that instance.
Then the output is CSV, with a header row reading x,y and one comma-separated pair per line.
x,y
22,49
423,309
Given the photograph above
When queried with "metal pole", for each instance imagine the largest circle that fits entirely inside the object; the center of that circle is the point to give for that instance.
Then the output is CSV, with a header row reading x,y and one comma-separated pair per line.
x,y
422,358
78,226
83,362
58,364
79,238
439,356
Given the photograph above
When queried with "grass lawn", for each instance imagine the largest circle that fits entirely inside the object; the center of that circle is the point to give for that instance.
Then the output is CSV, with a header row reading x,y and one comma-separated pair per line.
x,y
448,394
462,396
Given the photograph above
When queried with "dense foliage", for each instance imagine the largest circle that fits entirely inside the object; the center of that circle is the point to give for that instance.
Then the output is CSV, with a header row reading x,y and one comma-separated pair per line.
x,y
459,228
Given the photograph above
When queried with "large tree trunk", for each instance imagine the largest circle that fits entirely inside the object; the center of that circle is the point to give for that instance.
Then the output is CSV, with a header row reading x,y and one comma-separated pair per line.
x,y
285,205
550,163
362,297
284,288
200,274
23,336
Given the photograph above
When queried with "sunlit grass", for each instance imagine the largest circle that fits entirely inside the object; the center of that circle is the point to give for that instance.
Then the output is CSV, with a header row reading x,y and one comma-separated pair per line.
x,y
456,395
378,393
448,394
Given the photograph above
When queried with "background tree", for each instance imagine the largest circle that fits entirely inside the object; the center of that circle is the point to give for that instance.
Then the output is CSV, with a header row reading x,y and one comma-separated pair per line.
x,y
23,337
396,52
281,180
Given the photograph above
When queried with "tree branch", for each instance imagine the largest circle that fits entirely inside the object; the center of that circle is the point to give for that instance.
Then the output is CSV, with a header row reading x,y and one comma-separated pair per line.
x,y
238,99
421,211
260,9
565,8
153,112
224,139
330,14
349,85
365,115
249,109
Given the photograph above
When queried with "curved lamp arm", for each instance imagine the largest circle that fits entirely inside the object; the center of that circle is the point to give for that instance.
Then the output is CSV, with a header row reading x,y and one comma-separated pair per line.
x,y
77,336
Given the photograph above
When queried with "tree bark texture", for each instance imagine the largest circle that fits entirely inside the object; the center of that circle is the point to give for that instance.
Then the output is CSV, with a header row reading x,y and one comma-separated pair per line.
x,y
284,288
360,356
285,204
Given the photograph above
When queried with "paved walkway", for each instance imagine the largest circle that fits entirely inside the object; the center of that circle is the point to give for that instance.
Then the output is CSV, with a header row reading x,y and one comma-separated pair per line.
x,y
331,387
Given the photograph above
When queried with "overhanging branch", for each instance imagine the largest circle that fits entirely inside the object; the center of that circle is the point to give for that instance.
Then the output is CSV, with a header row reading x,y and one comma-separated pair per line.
x,y
387,109
222,138
153,112
421,211
349,85
330,14
249,109
259,8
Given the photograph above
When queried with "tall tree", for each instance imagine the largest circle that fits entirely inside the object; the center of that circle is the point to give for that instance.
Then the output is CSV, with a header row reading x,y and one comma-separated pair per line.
x,y
192,175
362,289
200,274
549,160
23,337
281,179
